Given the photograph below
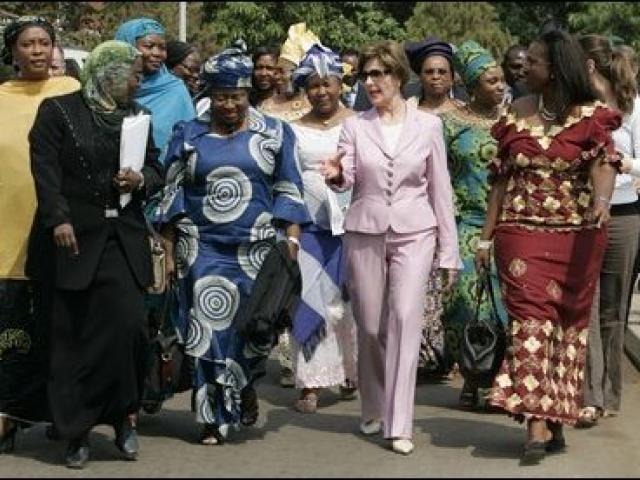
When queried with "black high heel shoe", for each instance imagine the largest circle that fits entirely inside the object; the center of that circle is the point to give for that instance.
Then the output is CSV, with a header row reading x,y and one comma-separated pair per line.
x,y
77,454
127,439
8,439
534,451
557,444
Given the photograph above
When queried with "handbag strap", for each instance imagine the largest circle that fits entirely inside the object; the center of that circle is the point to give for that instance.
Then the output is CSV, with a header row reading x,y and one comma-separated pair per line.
x,y
166,306
484,284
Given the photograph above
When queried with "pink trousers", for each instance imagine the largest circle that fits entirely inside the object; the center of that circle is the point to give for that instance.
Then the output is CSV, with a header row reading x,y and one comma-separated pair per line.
x,y
388,276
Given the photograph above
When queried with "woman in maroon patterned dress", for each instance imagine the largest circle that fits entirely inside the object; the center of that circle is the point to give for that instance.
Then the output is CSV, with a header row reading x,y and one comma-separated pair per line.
x,y
547,214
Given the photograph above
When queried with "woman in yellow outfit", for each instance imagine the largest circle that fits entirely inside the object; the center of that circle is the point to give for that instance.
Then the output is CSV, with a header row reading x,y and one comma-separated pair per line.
x,y
28,47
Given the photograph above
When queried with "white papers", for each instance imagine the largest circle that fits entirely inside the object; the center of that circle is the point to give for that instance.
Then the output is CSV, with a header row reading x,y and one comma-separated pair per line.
x,y
133,146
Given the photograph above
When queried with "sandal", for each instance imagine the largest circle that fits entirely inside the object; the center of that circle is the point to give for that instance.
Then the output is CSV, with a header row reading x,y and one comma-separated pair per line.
x,y
249,399
468,397
308,402
211,435
588,417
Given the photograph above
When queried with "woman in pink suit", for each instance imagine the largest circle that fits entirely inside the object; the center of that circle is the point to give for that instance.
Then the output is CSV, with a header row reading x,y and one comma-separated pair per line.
x,y
394,157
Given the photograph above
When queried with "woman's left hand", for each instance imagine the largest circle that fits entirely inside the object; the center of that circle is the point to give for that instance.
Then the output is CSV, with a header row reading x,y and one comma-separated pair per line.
x,y
127,180
449,277
601,214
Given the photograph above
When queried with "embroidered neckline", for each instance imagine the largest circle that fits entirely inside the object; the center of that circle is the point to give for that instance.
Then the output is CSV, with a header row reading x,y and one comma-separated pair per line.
x,y
537,131
467,118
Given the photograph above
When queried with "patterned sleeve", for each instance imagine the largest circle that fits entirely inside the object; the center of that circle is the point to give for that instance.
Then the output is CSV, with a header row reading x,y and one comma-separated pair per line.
x,y
602,123
288,203
500,165
172,203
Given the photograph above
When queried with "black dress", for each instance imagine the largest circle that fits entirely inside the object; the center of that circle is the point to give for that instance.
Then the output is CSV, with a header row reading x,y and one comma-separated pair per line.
x,y
98,339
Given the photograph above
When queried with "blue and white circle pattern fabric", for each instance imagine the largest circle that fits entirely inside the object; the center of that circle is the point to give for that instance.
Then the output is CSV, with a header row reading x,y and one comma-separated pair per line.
x,y
204,412
186,246
216,301
175,177
263,150
233,380
229,192
198,336
192,160
289,190
262,228
251,257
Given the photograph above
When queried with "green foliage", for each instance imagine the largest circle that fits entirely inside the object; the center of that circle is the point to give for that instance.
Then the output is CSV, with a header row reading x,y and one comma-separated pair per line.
x,y
456,22
620,19
338,25
524,19
214,25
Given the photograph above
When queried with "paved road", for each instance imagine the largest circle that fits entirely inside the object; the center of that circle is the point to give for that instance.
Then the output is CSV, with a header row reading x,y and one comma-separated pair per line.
x,y
449,443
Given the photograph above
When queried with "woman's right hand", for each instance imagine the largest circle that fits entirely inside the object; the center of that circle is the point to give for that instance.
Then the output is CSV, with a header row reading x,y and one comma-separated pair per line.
x,y
483,259
331,168
64,237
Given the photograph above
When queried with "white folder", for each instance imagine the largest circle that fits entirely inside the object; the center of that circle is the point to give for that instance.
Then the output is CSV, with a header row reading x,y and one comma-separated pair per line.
x,y
133,146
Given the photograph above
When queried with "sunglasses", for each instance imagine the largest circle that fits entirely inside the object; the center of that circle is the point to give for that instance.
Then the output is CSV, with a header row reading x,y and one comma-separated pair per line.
x,y
374,73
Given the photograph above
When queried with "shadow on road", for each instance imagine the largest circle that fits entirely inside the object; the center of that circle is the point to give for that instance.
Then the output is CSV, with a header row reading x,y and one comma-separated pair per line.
x,y
487,439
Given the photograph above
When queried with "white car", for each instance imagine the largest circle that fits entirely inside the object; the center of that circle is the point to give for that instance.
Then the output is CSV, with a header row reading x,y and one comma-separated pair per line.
x,y
76,55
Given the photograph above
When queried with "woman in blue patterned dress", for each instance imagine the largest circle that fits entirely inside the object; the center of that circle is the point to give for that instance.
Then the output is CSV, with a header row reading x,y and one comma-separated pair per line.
x,y
470,149
232,179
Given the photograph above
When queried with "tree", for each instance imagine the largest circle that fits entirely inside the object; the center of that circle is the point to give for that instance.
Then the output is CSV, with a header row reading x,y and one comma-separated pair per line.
x,y
524,19
612,19
456,22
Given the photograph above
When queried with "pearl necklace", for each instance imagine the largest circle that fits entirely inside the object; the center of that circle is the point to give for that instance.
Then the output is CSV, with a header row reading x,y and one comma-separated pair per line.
x,y
544,113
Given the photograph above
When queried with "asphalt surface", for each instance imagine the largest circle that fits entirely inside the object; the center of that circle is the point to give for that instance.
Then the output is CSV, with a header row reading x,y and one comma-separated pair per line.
x,y
449,443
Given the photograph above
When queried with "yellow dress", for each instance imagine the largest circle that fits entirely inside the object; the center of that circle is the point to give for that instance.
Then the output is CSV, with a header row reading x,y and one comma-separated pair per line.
x,y
19,101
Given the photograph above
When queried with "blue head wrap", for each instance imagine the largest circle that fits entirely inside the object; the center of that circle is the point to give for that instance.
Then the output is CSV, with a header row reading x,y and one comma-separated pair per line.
x,y
161,92
231,68
318,60
471,60
134,29
418,51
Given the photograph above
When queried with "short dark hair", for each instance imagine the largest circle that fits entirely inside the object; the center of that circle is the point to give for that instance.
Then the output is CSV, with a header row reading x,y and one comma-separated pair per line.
x,y
511,49
569,66
265,50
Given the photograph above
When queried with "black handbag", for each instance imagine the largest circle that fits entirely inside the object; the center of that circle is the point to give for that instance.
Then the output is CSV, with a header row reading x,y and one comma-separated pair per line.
x,y
273,301
170,369
483,342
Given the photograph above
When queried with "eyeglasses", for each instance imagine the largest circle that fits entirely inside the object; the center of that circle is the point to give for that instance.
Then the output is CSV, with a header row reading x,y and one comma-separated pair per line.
x,y
374,73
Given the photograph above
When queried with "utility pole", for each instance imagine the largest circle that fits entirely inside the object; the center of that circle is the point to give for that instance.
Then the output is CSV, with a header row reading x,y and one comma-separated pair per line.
x,y
182,34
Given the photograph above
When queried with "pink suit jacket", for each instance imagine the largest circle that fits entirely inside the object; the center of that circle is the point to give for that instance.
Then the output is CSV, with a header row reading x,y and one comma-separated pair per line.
x,y
408,190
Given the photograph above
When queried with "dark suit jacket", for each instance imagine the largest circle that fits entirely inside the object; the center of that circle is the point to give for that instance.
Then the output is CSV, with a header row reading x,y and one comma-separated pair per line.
x,y
73,174
361,102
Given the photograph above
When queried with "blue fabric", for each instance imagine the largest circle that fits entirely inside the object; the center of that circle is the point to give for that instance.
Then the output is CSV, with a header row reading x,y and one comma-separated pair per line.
x,y
418,51
231,68
318,60
318,287
134,29
226,191
164,94
233,187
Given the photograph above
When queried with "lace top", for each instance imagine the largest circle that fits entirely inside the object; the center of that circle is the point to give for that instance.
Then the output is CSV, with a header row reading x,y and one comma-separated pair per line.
x,y
549,184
